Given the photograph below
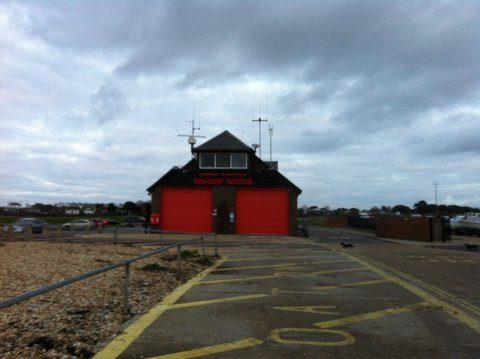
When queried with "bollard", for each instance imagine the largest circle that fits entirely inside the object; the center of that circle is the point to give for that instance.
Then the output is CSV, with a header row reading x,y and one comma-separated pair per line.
x,y
179,265
126,289
203,247
216,246
115,236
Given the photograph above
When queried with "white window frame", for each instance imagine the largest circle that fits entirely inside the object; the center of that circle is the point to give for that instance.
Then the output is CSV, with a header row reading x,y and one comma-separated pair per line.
x,y
224,168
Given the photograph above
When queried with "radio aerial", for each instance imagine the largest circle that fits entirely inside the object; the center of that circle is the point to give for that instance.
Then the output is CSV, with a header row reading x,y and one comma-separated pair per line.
x,y
192,138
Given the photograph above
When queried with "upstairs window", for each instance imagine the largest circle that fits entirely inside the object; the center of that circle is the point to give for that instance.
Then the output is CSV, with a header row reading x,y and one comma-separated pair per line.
x,y
223,160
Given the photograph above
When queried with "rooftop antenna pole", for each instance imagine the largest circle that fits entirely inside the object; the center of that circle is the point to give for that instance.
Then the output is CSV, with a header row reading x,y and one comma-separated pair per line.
x,y
270,130
260,120
192,139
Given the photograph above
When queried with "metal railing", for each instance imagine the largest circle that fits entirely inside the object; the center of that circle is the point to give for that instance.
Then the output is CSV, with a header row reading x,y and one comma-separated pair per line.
x,y
126,285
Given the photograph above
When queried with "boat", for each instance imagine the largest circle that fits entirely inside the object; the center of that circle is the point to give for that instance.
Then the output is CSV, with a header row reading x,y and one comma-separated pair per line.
x,y
469,224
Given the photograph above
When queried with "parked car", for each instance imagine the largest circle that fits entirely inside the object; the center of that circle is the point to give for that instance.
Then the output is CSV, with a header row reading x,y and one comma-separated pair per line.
x,y
99,223
78,224
111,222
21,225
133,221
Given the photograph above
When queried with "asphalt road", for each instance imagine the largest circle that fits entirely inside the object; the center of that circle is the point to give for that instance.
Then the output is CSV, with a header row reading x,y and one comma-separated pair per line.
x,y
314,298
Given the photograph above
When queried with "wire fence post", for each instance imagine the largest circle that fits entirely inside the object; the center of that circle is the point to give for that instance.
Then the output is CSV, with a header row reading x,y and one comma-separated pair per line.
x,y
126,309
216,245
46,232
179,259
203,247
115,236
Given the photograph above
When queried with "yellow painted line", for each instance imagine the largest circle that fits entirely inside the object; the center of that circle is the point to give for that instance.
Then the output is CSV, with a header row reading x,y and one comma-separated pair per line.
x,y
318,309
341,270
268,258
233,280
309,274
214,349
279,291
220,300
122,341
366,316
354,284
276,335
454,311
256,267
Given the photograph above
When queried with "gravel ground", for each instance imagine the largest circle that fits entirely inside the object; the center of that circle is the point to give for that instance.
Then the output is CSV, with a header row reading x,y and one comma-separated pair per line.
x,y
71,321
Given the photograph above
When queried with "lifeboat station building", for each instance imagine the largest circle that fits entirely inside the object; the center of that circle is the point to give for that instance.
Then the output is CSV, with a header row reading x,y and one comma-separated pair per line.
x,y
227,189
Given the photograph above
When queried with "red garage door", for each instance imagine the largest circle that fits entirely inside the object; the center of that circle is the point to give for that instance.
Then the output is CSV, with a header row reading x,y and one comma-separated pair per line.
x,y
262,211
186,209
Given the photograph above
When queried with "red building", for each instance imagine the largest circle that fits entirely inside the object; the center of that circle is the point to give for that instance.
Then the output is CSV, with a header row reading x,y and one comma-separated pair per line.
x,y
225,188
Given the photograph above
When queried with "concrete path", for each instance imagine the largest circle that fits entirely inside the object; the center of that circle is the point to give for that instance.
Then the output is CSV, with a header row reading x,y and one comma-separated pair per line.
x,y
299,299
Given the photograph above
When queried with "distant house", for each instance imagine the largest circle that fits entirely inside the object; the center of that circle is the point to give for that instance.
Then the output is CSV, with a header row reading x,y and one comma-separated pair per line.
x,y
88,211
73,211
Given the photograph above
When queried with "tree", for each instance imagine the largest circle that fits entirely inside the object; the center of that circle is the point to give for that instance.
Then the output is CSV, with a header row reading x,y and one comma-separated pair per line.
x,y
111,208
400,208
131,208
421,207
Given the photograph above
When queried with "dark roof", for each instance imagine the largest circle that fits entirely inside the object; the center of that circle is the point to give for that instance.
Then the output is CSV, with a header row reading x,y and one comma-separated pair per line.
x,y
223,142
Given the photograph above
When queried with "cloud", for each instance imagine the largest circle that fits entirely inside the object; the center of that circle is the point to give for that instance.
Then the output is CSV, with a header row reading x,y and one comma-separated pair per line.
x,y
371,101
108,104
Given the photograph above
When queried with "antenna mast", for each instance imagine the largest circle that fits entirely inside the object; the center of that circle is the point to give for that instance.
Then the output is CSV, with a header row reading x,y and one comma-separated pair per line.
x,y
260,120
270,131
192,139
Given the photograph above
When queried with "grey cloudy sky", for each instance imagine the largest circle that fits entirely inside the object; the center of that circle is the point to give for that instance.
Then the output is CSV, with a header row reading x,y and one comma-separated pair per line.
x,y
371,101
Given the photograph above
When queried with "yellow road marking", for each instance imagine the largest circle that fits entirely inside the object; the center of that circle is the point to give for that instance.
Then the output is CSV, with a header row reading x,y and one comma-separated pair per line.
x,y
122,341
454,311
366,316
257,267
309,309
233,280
220,300
271,258
279,291
307,274
347,337
265,259
354,284
214,349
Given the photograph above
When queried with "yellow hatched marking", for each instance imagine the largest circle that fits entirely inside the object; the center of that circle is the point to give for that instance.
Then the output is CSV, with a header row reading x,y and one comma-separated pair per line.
x,y
257,267
280,291
354,284
347,337
267,258
366,316
454,311
214,301
122,341
310,274
214,349
233,280
319,309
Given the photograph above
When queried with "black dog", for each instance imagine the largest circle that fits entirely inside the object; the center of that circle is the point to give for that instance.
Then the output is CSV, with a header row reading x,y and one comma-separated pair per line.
x,y
471,246
346,245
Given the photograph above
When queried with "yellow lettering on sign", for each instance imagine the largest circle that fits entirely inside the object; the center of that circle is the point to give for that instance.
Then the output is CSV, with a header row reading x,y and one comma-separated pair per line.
x,y
346,338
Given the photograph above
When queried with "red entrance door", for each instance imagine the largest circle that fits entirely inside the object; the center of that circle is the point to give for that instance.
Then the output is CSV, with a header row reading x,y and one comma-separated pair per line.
x,y
186,209
262,211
